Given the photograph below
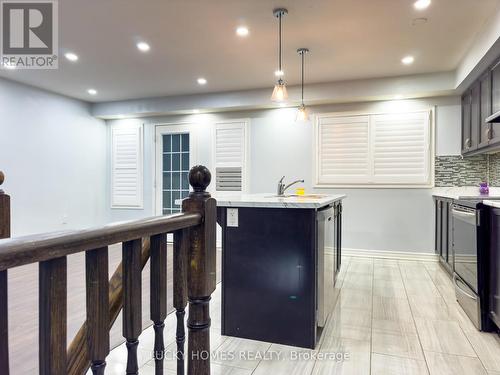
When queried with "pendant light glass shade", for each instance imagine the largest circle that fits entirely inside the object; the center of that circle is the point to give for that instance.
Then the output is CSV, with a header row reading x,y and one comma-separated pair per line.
x,y
302,113
280,93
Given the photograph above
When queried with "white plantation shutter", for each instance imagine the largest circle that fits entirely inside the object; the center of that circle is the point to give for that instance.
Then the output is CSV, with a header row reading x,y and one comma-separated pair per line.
x,y
401,145
381,149
344,149
231,155
127,167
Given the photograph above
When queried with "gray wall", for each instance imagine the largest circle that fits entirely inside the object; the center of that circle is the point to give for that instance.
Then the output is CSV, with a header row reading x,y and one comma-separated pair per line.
x,y
375,219
53,153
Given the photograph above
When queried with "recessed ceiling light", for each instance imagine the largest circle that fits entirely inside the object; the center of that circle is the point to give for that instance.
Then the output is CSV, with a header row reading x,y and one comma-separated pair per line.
x,y
407,60
279,73
71,56
421,4
143,47
242,31
202,81
92,91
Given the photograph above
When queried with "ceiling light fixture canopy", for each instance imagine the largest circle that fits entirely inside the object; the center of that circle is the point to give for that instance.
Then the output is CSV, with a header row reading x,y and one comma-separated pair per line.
x,y
302,114
280,93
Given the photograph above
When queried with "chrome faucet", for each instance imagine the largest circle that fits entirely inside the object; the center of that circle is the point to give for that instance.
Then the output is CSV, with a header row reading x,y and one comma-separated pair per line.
x,y
282,187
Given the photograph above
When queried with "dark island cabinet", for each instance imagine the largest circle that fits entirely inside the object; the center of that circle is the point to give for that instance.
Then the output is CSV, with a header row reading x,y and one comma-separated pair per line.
x,y
494,271
443,232
480,101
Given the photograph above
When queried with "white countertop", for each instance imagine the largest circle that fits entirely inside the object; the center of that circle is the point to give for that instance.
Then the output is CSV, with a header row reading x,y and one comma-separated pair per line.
x,y
270,200
495,204
466,192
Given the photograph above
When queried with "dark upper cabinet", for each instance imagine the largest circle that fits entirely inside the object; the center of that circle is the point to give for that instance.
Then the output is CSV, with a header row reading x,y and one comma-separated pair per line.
x,y
495,87
466,122
475,114
495,101
485,100
479,102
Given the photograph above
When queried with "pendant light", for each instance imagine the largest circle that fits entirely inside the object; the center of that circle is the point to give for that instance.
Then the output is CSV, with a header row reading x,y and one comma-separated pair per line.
x,y
302,114
279,93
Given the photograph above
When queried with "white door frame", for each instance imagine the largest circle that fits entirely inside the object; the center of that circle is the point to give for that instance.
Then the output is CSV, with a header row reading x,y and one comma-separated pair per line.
x,y
160,130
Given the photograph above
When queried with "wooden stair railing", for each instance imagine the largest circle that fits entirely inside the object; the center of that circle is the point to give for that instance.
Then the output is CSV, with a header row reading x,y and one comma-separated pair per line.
x,y
194,282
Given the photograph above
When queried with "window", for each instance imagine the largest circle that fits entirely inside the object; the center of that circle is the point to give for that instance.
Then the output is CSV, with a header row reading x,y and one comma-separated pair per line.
x,y
126,166
174,158
374,150
231,156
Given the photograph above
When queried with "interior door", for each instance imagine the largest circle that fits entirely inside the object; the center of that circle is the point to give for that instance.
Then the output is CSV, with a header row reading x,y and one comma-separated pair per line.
x,y
174,158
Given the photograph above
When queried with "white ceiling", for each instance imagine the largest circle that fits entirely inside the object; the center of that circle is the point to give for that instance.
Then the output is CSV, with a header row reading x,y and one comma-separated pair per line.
x,y
348,39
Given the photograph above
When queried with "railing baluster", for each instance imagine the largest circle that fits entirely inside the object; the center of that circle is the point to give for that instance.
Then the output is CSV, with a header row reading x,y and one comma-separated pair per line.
x,y
4,325
201,278
78,357
52,323
96,267
158,294
132,294
181,238
4,321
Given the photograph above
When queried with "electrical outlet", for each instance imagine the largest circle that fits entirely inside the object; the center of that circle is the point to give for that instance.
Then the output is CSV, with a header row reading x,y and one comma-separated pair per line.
x,y
232,217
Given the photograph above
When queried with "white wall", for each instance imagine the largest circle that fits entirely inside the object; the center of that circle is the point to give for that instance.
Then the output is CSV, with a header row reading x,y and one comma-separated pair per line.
x,y
374,219
53,153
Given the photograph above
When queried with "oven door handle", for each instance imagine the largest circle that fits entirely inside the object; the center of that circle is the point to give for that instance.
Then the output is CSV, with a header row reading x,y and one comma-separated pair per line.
x,y
457,280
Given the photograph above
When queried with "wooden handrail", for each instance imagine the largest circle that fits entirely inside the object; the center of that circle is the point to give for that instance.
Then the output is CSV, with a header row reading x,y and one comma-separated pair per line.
x,y
37,248
194,282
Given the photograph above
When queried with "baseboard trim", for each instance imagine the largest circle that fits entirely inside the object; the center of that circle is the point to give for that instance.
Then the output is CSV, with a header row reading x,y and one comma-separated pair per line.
x,y
381,254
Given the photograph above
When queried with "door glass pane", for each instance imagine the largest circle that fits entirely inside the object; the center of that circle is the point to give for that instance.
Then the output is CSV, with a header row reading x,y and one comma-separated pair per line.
x,y
176,164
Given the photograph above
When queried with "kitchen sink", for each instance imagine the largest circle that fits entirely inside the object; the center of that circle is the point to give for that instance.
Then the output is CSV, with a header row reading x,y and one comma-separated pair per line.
x,y
305,196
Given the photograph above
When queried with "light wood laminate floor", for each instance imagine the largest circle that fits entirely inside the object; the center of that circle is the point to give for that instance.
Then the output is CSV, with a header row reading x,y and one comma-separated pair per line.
x,y
392,318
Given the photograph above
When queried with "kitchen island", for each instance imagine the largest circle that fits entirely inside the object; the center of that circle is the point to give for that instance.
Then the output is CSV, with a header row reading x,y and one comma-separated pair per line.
x,y
279,262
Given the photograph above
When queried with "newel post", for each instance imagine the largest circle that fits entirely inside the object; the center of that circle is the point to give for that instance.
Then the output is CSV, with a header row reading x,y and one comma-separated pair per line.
x,y
201,274
4,326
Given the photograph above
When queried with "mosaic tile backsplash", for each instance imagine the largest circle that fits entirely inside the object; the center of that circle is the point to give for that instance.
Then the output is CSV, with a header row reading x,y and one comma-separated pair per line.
x,y
469,171
495,169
